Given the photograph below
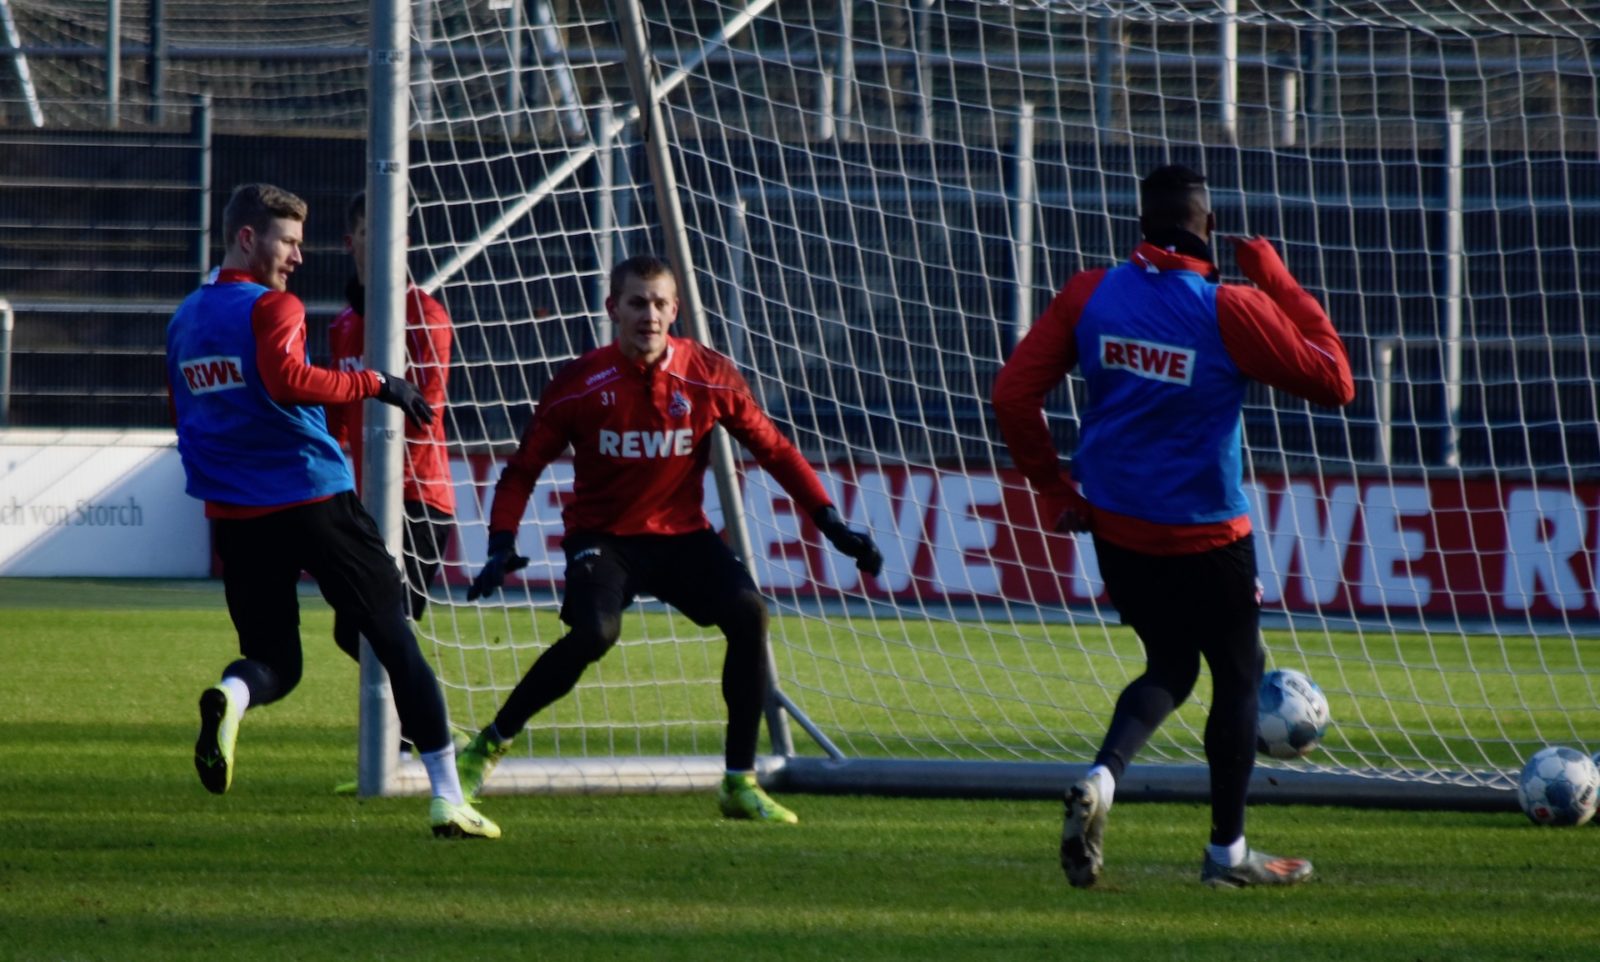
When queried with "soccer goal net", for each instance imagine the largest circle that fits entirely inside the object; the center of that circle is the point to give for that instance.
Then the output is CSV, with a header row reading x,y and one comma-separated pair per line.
x,y
876,199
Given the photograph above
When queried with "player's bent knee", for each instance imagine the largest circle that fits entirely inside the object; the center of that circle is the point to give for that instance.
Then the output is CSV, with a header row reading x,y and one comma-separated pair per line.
x,y
592,635
745,615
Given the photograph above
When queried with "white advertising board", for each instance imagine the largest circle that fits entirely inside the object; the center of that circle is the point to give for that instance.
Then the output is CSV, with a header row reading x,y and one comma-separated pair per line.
x,y
98,504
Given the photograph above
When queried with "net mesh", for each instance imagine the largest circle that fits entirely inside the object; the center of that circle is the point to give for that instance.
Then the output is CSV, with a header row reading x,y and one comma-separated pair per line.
x,y
879,198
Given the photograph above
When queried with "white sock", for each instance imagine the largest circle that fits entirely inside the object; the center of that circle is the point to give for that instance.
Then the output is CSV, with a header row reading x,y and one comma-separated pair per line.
x,y
238,691
441,766
1107,786
1228,855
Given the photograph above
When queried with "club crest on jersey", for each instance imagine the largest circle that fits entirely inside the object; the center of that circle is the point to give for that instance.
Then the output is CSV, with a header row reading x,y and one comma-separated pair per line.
x,y
1158,362
204,375
680,406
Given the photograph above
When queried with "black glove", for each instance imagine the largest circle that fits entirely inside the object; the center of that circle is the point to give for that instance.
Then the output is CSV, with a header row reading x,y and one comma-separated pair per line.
x,y
405,396
856,544
503,559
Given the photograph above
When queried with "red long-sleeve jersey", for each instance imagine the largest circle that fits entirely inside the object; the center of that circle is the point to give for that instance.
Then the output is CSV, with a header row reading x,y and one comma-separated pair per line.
x,y
429,339
1276,334
641,442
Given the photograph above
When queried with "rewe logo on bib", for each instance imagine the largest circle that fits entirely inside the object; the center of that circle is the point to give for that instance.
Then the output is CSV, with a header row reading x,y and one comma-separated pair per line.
x,y
204,375
1159,362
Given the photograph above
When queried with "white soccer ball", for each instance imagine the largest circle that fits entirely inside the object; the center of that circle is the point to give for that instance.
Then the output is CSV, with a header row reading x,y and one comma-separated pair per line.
x,y
1559,786
1292,715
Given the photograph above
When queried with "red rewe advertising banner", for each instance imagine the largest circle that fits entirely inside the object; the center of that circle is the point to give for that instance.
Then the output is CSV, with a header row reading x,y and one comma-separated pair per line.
x,y
1474,548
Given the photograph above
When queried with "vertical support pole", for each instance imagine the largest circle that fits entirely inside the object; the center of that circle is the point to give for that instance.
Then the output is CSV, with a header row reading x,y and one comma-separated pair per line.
x,y
388,158
1289,104
156,65
1229,44
113,63
1383,404
19,62
8,323
1455,275
641,76
422,66
514,67
923,27
827,125
605,220
1102,77
740,347
1316,75
844,91
200,130
553,52
1023,213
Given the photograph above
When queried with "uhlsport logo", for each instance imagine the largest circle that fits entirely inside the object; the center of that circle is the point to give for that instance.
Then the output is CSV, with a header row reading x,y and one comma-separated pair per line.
x,y
205,375
680,406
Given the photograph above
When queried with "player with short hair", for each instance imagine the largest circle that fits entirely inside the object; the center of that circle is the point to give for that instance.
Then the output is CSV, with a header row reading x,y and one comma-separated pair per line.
x,y
1167,353
639,415
427,496
253,437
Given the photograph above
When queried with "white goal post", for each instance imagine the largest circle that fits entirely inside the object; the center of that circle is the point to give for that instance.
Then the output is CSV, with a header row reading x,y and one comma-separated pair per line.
x,y
870,201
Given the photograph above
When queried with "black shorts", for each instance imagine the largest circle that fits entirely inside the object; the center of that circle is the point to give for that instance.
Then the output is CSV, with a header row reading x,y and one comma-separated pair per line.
x,y
335,540
696,573
1216,586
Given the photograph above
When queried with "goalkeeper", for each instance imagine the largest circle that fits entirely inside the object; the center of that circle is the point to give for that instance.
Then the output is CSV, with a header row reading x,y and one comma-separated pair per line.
x,y
639,415
1167,353
255,447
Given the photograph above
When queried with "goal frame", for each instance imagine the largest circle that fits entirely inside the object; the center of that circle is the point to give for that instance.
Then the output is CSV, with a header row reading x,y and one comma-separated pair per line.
x,y
788,768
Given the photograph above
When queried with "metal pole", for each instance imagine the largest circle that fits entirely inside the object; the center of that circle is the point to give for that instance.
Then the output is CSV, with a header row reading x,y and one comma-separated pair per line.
x,y
1103,50
1290,104
923,15
844,102
422,67
513,41
1022,217
384,437
605,220
641,76
1316,79
1383,385
8,320
553,51
113,63
156,63
1229,42
200,129
1454,272
19,61
826,66
740,345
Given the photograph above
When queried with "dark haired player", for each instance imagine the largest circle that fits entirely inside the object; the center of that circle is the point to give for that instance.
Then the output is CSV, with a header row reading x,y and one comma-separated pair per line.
x,y
638,415
255,446
1167,353
427,495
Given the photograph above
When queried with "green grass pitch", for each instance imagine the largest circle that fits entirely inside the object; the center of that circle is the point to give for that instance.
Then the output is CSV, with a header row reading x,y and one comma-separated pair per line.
x,y
112,851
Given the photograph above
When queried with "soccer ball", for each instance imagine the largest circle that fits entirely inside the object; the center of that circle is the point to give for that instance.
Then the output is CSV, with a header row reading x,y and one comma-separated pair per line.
x,y
1292,715
1559,786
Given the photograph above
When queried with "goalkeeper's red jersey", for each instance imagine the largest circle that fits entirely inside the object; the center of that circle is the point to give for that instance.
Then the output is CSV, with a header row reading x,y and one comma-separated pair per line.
x,y
641,442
